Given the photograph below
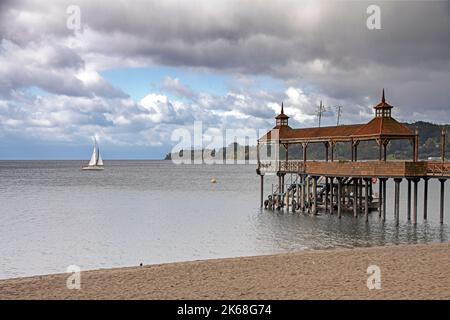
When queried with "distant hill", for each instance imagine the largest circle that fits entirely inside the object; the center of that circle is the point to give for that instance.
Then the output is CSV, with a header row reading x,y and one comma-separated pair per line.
x,y
429,146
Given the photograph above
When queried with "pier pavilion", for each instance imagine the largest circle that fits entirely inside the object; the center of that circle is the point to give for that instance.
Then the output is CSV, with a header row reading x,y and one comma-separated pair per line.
x,y
336,186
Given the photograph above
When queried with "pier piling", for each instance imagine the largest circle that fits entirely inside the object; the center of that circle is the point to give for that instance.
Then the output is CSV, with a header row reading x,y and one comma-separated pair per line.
x,y
397,201
262,191
425,199
339,196
408,201
355,198
380,198
441,215
415,182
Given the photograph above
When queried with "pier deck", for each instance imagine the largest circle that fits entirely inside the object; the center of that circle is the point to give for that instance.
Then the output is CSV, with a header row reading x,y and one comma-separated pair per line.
x,y
389,169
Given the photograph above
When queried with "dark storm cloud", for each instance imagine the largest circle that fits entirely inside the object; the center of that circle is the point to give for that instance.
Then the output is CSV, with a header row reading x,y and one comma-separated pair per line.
x,y
318,49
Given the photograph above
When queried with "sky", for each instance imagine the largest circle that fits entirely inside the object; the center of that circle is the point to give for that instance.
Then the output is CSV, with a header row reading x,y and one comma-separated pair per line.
x,y
133,72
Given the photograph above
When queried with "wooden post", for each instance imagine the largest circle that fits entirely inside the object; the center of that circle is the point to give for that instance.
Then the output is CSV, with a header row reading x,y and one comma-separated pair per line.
x,y
326,151
305,147
353,150
332,151
441,216
355,197
408,200
397,201
366,204
339,195
425,198
380,147
385,144
415,182
262,191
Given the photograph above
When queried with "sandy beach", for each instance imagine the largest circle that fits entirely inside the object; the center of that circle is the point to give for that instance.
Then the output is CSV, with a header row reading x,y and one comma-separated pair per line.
x,y
407,272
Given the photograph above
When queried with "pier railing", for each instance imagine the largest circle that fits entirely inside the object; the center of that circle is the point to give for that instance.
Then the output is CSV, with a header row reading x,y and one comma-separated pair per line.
x,y
438,169
359,168
291,166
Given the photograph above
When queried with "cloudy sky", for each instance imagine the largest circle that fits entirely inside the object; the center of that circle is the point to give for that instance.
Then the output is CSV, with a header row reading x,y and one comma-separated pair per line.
x,y
137,70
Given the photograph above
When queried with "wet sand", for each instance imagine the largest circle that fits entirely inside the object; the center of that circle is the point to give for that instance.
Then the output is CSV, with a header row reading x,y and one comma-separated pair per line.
x,y
407,272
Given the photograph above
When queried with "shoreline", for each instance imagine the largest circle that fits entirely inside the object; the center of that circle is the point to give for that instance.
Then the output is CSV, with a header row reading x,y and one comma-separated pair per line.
x,y
418,271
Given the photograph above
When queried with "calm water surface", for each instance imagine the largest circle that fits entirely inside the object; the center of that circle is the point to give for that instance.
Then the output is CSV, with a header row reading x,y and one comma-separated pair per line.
x,y
53,215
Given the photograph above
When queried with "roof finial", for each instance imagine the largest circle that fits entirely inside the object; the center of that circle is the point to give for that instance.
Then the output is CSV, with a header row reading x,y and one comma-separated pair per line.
x,y
282,111
382,97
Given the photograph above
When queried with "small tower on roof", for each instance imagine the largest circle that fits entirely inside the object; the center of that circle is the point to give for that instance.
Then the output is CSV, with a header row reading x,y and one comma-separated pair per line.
x,y
281,119
383,109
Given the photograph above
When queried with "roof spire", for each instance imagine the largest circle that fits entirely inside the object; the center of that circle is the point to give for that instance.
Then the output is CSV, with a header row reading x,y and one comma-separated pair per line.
x,y
282,107
382,97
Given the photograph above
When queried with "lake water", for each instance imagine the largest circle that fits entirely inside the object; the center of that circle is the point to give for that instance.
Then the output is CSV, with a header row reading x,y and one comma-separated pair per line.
x,y
53,215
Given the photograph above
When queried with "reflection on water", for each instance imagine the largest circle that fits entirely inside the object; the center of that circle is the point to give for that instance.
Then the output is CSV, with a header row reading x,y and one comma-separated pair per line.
x,y
54,215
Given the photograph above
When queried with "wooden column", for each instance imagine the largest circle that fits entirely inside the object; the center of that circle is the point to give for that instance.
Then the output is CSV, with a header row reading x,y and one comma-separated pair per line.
x,y
339,196
366,203
327,145
305,149
356,143
385,144
353,150
332,150
425,198
408,200
308,193
415,182
355,197
441,215
380,149
397,201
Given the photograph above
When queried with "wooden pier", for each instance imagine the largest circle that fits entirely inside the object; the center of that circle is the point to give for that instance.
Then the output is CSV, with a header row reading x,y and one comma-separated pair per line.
x,y
340,186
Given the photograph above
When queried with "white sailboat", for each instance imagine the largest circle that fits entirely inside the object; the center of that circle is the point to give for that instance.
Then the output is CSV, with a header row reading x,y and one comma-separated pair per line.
x,y
96,162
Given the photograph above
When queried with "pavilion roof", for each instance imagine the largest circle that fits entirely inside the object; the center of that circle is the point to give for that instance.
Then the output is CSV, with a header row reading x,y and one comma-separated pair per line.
x,y
381,126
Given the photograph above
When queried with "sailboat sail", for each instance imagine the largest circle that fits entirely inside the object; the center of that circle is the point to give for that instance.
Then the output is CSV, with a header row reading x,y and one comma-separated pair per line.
x,y
100,161
93,161
96,162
